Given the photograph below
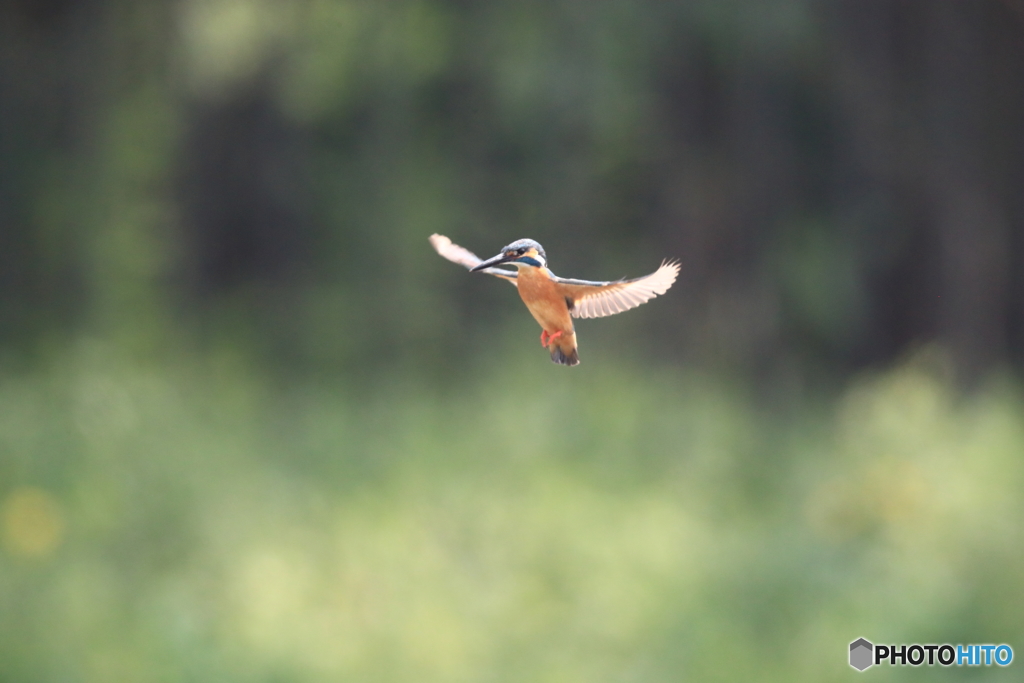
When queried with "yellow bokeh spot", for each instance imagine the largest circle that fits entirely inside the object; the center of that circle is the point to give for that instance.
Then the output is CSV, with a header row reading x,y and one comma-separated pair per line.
x,y
32,523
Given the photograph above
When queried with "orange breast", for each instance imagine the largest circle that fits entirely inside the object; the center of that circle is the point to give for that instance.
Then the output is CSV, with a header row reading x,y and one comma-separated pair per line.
x,y
542,298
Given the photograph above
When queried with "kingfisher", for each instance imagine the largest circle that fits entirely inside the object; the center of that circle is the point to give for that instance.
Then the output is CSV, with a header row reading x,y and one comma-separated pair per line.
x,y
554,301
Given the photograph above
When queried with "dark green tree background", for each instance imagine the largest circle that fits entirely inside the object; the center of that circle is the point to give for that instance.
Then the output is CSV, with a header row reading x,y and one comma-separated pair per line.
x,y
840,179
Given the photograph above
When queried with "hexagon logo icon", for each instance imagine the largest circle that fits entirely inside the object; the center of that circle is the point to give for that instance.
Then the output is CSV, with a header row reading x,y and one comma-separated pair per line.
x,y
860,654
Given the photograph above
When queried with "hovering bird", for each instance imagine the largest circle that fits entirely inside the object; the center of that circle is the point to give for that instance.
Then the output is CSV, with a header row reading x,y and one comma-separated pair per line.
x,y
554,301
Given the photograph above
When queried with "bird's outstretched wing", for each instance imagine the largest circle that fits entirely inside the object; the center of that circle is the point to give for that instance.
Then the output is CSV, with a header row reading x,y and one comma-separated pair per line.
x,y
464,257
588,299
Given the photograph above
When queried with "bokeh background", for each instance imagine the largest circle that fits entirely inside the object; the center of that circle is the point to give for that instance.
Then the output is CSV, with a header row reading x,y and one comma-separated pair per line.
x,y
253,429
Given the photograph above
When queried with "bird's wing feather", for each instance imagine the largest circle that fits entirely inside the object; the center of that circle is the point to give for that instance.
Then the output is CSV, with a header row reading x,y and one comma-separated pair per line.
x,y
598,299
464,257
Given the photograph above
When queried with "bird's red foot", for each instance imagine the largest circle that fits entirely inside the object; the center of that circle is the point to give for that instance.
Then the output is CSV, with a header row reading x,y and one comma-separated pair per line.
x,y
553,337
544,338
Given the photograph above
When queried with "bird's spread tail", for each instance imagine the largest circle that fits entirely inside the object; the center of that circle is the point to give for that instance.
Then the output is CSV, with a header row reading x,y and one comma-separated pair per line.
x,y
565,353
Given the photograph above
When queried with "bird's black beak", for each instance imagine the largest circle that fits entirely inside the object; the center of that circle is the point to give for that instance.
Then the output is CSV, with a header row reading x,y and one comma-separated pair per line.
x,y
500,258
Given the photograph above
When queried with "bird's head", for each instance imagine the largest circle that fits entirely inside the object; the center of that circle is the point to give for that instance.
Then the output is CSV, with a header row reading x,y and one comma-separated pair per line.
x,y
521,253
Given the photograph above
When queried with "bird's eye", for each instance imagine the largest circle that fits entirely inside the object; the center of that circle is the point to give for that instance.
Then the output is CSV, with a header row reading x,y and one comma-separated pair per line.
x,y
522,251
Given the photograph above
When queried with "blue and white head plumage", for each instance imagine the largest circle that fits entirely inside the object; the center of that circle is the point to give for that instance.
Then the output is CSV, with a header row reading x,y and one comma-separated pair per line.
x,y
540,261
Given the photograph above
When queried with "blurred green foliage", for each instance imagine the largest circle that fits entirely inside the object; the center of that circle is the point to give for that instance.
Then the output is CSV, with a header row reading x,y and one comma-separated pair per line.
x,y
196,523
839,180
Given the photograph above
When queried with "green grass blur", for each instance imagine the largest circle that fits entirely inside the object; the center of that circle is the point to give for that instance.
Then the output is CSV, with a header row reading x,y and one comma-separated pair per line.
x,y
202,522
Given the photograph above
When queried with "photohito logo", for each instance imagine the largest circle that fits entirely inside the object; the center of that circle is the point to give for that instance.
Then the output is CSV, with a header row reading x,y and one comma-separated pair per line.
x,y
863,654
